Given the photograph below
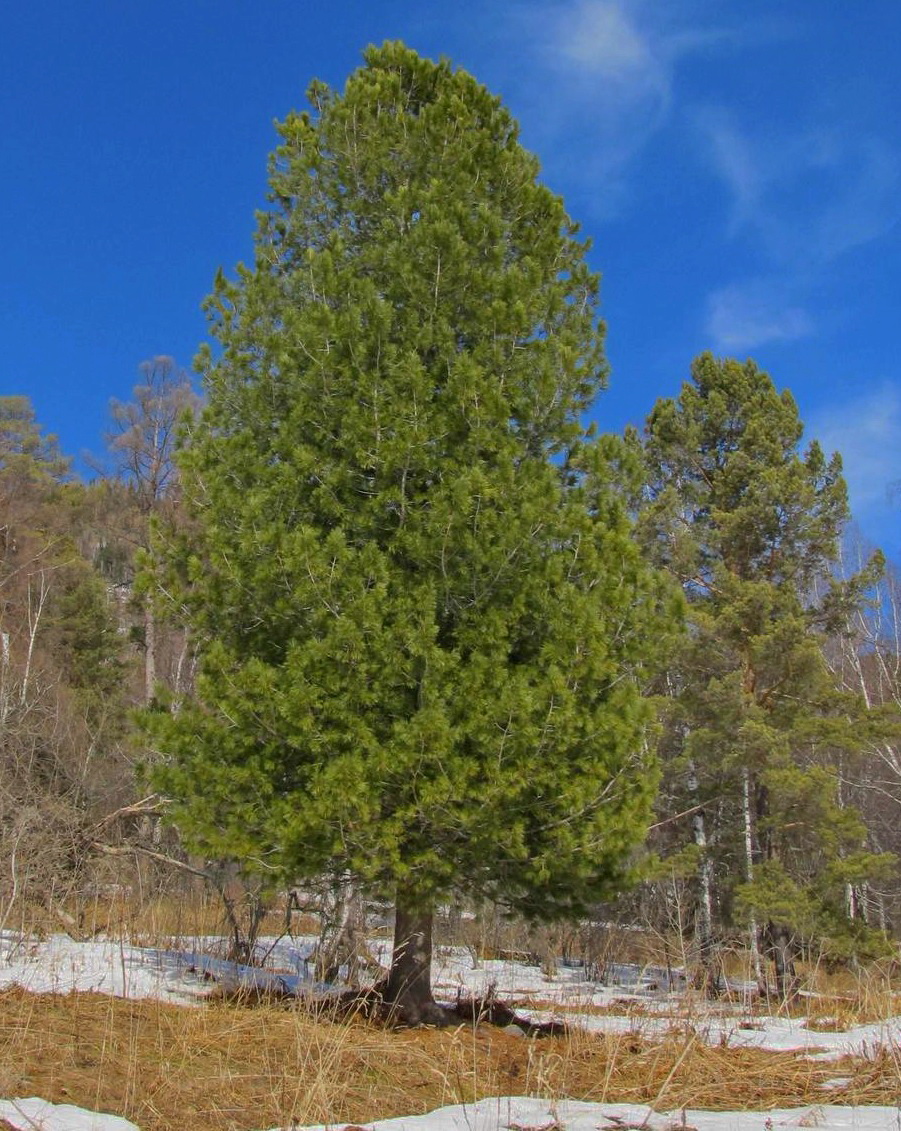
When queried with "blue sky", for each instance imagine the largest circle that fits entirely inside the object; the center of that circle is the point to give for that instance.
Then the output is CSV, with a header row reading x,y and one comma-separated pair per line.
x,y
738,167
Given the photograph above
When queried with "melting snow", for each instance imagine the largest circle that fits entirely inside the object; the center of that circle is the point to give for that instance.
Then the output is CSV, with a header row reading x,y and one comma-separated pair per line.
x,y
59,965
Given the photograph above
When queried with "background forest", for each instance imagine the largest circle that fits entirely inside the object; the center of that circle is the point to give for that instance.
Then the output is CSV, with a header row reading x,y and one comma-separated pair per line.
x,y
776,821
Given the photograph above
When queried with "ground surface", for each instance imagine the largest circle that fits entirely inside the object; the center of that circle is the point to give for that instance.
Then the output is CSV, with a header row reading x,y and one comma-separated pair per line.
x,y
107,1027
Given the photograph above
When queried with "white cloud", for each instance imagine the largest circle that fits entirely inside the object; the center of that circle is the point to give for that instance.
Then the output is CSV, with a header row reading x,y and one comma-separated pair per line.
x,y
632,44
803,200
744,316
603,70
866,430
603,37
735,161
806,197
868,206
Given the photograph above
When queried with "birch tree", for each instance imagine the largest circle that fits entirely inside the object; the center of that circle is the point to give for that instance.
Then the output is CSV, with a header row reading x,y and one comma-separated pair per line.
x,y
143,444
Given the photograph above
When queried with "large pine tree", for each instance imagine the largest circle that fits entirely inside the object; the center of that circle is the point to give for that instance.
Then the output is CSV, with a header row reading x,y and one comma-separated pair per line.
x,y
425,622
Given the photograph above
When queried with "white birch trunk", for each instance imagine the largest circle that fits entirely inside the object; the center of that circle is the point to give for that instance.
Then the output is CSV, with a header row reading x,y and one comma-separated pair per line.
x,y
705,898
35,611
4,678
753,930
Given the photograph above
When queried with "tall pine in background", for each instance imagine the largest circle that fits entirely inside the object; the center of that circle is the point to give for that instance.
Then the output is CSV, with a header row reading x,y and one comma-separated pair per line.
x,y
425,621
749,525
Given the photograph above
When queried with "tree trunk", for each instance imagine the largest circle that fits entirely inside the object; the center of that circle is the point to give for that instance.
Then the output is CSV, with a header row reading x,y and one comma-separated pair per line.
x,y
408,988
342,939
753,932
149,653
784,961
704,917
4,678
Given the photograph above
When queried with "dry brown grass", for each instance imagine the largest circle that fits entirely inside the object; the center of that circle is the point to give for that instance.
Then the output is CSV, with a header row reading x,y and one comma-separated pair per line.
x,y
163,917
204,917
227,1067
573,1009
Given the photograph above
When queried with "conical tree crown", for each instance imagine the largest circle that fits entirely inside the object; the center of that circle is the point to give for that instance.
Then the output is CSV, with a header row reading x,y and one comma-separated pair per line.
x,y
725,456
427,619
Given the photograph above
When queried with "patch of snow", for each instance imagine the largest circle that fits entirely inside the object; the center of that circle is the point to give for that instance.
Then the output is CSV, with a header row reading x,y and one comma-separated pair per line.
x,y
59,965
517,1113
40,1115
775,1034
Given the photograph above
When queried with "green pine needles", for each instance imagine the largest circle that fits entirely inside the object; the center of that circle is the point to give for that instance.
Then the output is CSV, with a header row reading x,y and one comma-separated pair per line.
x,y
425,624
749,524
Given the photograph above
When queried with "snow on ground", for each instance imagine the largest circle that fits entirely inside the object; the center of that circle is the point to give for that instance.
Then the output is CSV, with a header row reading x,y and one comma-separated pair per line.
x,y
777,1034
174,973
519,1114
515,1113
27,1115
661,1011
59,965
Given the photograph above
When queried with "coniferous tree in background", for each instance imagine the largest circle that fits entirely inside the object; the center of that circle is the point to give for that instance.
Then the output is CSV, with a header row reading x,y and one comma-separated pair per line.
x,y
32,542
425,621
749,526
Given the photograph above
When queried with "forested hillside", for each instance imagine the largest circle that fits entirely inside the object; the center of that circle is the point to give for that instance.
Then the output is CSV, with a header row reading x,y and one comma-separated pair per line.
x,y
80,648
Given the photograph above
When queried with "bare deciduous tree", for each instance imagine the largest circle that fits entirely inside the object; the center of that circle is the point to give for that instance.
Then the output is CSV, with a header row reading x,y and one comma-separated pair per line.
x,y
143,444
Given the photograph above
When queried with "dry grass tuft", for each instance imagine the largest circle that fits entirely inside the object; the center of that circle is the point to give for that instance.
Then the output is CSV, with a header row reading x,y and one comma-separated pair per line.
x,y
227,1067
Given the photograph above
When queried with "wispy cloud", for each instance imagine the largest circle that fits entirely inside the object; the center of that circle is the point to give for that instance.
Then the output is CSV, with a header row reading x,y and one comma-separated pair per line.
x,y
809,197
631,46
753,313
802,200
866,430
612,68
603,37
